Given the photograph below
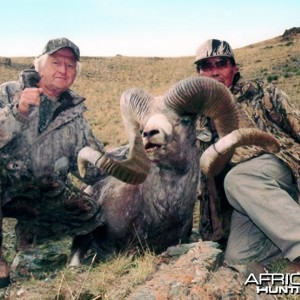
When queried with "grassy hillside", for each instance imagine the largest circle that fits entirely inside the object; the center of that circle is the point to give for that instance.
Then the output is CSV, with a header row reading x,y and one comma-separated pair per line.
x,y
103,79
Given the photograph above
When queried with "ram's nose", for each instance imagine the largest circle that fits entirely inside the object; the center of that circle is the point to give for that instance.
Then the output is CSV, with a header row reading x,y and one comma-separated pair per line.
x,y
155,136
157,129
150,133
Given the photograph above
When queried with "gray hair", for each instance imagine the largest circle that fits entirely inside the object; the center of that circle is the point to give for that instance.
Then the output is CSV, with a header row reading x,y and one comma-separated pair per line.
x,y
39,63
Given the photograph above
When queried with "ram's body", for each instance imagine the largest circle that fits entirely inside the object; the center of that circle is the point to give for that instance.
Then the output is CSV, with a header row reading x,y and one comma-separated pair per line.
x,y
158,212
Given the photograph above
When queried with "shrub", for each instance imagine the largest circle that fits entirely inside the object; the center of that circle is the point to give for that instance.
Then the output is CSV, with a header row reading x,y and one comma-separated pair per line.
x,y
271,78
289,44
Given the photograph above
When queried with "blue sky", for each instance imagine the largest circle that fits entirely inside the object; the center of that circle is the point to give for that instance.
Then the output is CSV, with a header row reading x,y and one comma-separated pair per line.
x,y
139,27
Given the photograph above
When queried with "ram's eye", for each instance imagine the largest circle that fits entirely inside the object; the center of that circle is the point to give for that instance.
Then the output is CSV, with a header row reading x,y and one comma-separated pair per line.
x,y
186,120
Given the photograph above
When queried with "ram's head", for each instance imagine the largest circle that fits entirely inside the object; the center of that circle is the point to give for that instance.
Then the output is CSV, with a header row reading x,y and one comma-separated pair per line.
x,y
149,123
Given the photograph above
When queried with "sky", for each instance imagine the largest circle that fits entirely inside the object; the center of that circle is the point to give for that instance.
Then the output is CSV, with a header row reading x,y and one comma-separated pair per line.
x,y
164,28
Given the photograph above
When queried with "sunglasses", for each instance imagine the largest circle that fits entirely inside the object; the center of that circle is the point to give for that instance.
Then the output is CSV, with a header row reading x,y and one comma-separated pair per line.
x,y
207,66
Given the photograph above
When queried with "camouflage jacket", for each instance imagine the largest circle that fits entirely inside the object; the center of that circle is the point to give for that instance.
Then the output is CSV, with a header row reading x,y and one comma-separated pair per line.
x,y
26,154
268,109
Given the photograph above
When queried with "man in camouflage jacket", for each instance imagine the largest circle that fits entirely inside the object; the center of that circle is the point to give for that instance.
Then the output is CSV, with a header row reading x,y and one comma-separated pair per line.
x,y
262,216
42,129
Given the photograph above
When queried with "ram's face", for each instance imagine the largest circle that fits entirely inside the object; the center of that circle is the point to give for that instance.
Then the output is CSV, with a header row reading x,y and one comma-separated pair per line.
x,y
155,135
167,137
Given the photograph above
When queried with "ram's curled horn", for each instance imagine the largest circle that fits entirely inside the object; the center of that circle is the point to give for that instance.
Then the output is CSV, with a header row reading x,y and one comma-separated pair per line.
x,y
206,96
134,170
202,95
212,157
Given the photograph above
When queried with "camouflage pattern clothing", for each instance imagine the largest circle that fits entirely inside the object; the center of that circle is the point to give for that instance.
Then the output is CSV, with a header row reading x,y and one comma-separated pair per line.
x,y
268,109
37,154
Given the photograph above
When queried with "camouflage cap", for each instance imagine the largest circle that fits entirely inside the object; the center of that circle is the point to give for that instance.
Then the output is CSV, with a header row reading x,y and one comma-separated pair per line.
x,y
59,43
214,48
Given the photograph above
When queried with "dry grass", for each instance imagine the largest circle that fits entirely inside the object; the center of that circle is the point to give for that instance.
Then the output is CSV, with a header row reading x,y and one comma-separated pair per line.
x,y
107,280
273,58
103,79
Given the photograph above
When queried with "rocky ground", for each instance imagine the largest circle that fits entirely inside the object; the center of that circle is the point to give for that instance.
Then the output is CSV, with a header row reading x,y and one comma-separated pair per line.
x,y
196,273
184,272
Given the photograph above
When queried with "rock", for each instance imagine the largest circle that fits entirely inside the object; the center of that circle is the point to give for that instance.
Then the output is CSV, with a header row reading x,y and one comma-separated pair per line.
x,y
291,32
6,61
178,279
39,261
197,274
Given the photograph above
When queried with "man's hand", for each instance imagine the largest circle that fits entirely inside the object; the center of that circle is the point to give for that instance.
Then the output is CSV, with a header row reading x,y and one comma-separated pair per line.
x,y
29,97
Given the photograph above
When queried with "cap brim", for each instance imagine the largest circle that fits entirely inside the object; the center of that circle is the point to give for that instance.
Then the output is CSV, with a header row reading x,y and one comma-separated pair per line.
x,y
58,48
197,61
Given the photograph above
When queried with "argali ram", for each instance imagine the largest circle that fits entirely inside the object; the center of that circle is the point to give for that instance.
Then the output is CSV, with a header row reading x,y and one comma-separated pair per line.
x,y
156,211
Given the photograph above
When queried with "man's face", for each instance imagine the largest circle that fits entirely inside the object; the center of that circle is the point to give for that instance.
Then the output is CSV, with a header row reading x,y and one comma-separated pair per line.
x,y
219,68
59,71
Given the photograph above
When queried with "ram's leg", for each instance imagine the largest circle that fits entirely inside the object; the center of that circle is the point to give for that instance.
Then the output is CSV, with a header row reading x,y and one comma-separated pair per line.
x,y
80,245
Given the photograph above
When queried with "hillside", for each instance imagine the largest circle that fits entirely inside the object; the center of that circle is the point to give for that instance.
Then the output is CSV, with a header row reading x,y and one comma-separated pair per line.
x,y
103,79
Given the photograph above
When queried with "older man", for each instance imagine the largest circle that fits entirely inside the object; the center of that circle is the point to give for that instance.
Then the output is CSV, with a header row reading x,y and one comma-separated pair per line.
x,y
263,189
42,131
